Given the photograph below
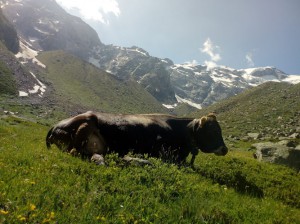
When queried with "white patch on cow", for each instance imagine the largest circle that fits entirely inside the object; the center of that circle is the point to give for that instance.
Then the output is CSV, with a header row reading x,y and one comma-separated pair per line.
x,y
145,121
134,119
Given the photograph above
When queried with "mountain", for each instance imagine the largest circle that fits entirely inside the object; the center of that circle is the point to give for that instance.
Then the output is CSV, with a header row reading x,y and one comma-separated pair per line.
x,y
183,83
41,81
8,34
196,84
136,64
42,25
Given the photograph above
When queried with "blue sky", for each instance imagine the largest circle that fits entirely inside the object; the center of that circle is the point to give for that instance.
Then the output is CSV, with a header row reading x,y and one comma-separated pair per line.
x,y
234,33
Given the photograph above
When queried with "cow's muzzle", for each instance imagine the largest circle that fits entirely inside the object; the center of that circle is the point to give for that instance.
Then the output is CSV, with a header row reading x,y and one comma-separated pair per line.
x,y
221,151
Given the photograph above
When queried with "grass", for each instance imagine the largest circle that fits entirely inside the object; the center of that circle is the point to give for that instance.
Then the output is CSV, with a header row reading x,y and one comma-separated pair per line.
x,y
48,186
7,81
268,107
79,84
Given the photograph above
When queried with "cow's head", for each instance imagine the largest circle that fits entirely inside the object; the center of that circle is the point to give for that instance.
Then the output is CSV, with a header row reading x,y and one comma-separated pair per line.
x,y
79,132
63,134
61,137
208,135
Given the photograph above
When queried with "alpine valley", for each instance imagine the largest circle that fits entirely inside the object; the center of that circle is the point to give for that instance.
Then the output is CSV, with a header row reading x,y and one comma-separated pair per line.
x,y
51,56
53,66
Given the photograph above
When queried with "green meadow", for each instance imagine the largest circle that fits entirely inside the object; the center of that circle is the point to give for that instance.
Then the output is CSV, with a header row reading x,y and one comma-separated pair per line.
x,y
38,185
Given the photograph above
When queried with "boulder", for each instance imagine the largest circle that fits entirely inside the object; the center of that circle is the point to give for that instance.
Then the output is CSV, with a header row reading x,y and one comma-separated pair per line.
x,y
295,135
279,153
287,142
254,135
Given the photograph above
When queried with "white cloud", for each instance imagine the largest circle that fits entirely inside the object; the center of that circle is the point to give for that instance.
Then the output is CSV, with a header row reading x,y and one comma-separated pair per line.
x,y
93,9
210,49
192,63
249,59
210,65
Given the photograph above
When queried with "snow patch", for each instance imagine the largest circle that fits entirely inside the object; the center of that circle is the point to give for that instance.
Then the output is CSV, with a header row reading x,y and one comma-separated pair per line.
x,y
187,65
22,94
189,102
3,4
221,78
38,88
94,61
35,89
169,106
41,87
27,54
41,31
294,79
143,53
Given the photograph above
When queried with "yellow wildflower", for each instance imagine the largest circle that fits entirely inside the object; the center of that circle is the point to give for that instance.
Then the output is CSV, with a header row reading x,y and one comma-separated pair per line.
x,y
21,218
32,207
46,220
52,215
3,212
101,218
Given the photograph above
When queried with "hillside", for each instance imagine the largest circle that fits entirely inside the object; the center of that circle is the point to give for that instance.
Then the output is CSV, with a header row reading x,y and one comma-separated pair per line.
x,y
8,34
271,108
81,86
49,186
7,81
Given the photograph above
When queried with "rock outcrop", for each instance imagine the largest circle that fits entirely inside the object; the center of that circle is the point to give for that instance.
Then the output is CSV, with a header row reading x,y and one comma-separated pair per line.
x,y
284,152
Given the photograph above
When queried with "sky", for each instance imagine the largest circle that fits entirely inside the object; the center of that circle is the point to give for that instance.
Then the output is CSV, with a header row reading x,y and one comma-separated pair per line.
x,y
235,33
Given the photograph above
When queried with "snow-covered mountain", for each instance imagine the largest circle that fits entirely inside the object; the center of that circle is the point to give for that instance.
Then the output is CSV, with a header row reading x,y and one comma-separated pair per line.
x,y
197,84
42,25
45,26
136,64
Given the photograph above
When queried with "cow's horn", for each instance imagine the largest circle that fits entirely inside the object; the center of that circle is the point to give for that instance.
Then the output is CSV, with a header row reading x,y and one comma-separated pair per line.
x,y
202,121
212,115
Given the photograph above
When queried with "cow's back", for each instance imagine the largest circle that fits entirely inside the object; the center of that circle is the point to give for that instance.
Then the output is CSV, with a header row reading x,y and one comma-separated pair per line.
x,y
143,133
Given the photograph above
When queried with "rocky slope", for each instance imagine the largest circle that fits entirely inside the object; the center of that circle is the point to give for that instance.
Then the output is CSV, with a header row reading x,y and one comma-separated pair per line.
x,y
136,64
8,34
45,26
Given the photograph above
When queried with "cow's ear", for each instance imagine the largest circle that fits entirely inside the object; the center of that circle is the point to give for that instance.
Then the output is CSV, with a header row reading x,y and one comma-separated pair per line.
x,y
212,115
202,121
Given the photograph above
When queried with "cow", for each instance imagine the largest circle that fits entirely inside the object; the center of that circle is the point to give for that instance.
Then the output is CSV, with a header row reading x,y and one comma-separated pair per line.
x,y
158,135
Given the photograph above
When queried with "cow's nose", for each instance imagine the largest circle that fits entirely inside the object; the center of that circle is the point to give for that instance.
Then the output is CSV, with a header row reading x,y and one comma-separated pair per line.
x,y
222,151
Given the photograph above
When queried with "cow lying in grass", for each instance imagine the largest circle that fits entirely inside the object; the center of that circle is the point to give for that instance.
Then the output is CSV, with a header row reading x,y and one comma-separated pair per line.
x,y
158,135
